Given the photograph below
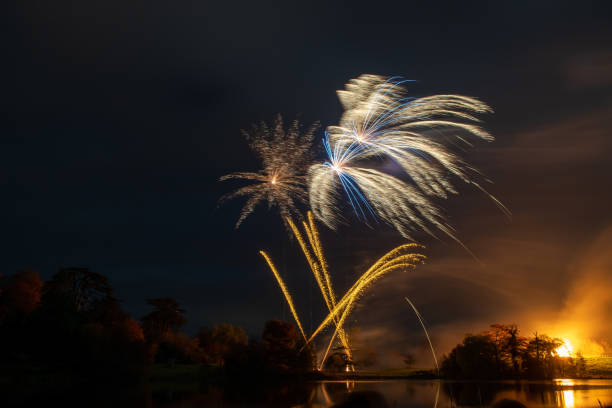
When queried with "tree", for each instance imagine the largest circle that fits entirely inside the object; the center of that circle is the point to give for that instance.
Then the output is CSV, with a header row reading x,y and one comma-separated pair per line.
x,y
510,345
85,328
501,352
20,295
282,344
23,291
474,358
166,316
178,347
79,286
132,330
540,358
221,341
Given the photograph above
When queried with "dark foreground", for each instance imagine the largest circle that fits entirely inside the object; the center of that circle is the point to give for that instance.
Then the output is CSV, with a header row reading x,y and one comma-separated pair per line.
x,y
181,391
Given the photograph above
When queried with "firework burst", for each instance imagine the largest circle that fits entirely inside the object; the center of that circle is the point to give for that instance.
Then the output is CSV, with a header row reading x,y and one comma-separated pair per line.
x,y
285,155
371,193
381,122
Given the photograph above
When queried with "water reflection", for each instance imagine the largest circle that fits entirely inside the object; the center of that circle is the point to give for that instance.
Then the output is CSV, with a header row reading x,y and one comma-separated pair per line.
x,y
566,397
393,393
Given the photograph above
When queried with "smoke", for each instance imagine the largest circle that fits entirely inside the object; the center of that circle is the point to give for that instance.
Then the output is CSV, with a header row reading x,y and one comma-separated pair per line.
x,y
585,317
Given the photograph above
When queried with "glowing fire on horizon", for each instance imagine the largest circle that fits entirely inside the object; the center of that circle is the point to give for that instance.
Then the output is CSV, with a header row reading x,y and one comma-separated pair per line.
x,y
566,349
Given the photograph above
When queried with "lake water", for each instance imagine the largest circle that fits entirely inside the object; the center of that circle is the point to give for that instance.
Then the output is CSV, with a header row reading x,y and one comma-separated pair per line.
x,y
400,393
387,393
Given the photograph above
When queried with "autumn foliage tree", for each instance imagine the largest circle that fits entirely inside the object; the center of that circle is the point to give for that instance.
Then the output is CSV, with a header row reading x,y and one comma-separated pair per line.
x,y
167,316
20,294
501,352
19,297
509,346
161,329
283,351
221,341
71,323
539,357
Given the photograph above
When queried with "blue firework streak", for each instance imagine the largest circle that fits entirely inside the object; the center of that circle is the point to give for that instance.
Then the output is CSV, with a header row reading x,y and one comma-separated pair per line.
x,y
340,156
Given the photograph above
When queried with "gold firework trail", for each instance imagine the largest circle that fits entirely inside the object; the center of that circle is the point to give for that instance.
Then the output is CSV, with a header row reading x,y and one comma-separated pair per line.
x,y
393,260
399,258
318,267
353,295
285,291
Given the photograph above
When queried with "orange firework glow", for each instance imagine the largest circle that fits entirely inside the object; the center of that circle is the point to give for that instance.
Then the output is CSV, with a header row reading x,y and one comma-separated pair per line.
x,y
566,349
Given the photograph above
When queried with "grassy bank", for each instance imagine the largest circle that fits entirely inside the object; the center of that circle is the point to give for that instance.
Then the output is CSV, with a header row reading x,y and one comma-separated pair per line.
x,y
599,366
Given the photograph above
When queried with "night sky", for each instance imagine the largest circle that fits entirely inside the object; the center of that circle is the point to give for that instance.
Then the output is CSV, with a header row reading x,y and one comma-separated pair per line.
x,y
120,117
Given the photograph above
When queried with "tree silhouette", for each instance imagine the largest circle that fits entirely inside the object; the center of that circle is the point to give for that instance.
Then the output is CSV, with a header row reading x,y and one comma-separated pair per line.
x,y
221,341
167,316
501,353
540,358
475,358
282,343
510,345
81,286
20,294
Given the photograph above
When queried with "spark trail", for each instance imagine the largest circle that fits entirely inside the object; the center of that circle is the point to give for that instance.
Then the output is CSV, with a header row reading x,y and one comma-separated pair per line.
x,y
285,291
418,315
400,258
318,266
397,259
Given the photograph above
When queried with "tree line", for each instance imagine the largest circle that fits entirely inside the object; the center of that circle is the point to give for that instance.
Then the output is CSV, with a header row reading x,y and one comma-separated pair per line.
x,y
501,352
74,324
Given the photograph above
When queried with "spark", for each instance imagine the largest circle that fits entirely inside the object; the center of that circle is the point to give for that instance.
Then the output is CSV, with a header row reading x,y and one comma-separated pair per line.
x,y
371,193
285,291
399,258
396,259
418,315
285,156
380,122
318,266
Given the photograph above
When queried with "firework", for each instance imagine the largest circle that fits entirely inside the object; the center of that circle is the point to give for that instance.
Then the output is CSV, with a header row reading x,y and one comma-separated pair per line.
x,y
318,266
400,258
371,193
380,122
285,155
418,315
285,291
